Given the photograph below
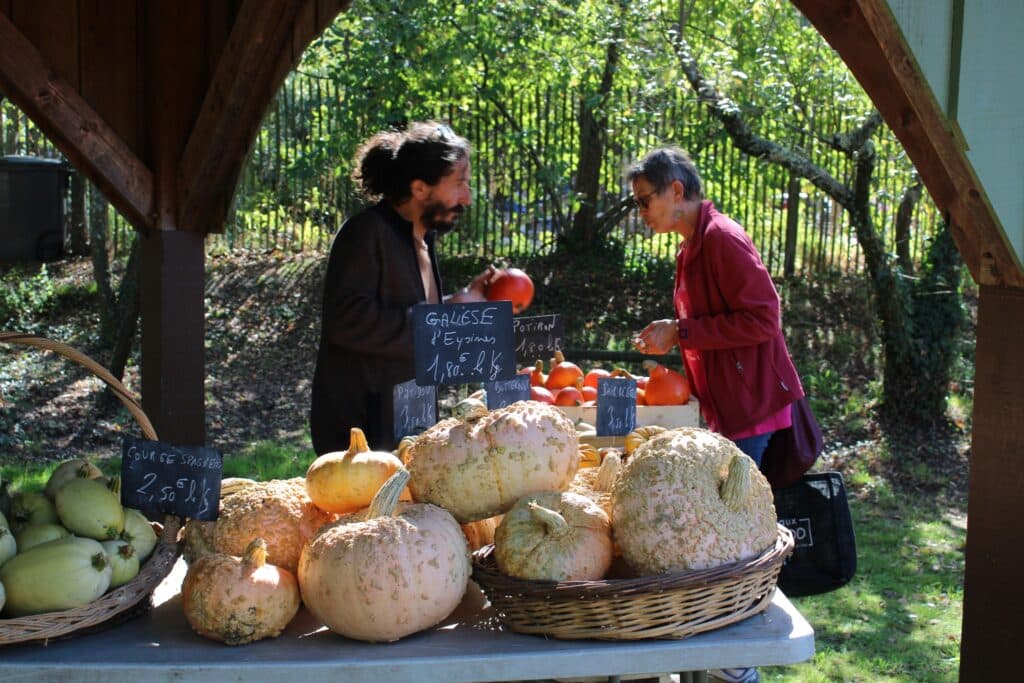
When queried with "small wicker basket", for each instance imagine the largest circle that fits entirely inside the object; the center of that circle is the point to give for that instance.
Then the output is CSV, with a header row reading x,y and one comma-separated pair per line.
x,y
124,601
674,605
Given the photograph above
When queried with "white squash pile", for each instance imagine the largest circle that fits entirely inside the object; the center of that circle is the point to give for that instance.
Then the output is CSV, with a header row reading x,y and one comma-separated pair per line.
x,y
70,544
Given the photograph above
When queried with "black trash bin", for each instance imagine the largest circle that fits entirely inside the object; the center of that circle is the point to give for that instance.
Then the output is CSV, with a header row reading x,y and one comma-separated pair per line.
x,y
32,196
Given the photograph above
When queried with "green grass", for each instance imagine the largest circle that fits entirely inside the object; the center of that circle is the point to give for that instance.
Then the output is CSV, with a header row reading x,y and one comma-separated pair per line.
x,y
899,619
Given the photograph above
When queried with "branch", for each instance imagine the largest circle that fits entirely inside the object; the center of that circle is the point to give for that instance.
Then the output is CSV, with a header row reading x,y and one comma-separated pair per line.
x,y
852,142
728,113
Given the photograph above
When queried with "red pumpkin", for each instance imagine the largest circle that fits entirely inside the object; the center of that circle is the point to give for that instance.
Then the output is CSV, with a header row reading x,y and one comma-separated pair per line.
x,y
541,394
665,387
595,374
568,396
563,373
512,285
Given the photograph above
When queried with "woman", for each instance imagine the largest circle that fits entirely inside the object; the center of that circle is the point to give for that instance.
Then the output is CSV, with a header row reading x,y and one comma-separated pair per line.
x,y
727,323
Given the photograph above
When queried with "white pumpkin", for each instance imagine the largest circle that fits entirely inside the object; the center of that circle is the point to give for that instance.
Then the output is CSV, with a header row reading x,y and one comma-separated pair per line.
x,y
478,466
554,536
385,573
690,499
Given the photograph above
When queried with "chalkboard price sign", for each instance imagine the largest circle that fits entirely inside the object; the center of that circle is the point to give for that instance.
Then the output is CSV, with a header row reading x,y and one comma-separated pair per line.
x,y
538,337
507,392
463,343
616,406
177,480
415,408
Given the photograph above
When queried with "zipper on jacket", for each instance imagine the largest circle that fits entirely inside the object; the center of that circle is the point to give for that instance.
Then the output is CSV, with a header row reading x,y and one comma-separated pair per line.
x,y
739,367
783,385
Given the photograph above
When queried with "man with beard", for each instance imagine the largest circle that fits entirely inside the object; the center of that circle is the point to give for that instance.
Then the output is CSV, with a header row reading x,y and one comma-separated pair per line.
x,y
382,263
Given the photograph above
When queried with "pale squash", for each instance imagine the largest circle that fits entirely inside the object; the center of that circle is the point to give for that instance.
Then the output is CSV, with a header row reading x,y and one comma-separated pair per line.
x,y
479,467
554,536
388,572
690,499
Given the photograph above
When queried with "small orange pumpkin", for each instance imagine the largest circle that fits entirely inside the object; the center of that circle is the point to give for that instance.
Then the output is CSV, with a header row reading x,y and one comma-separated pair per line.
x,y
563,373
346,481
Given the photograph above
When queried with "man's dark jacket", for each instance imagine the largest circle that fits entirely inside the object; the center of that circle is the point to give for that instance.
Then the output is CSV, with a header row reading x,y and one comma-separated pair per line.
x,y
366,338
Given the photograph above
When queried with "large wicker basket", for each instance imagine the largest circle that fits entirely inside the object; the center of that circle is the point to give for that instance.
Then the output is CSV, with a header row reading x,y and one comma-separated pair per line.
x,y
674,605
122,602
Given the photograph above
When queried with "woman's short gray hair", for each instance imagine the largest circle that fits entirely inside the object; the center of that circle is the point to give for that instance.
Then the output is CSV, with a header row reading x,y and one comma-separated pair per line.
x,y
662,166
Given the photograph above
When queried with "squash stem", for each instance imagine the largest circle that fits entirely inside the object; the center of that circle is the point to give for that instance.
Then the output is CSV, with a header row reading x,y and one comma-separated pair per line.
x,y
386,499
255,555
554,523
357,442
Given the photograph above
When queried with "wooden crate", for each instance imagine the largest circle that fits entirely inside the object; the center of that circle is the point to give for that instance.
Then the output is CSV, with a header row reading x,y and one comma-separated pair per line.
x,y
687,415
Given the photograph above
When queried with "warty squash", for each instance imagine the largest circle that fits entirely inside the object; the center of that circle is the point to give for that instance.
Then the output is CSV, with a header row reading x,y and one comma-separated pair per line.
x,y
386,572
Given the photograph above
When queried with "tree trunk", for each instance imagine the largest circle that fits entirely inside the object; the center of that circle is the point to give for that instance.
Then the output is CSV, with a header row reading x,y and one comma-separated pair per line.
x,y
583,233
128,309
792,223
77,239
904,216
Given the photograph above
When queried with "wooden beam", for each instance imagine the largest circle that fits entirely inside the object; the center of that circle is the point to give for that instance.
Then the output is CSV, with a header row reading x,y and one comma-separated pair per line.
x,y
866,36
995,537
232,109
74,127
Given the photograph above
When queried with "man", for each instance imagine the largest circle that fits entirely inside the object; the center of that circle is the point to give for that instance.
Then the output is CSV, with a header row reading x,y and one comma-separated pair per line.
x,y
382,263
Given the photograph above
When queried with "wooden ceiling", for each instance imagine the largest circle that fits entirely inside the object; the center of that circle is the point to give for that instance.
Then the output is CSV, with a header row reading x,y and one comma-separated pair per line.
x,y
156,101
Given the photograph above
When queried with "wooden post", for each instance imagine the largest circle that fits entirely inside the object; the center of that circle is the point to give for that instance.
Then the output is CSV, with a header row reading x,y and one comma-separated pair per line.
x,y
173,329
993,601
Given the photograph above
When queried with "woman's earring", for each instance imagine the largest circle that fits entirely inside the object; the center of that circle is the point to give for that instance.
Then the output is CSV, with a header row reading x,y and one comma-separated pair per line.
x,y
677,214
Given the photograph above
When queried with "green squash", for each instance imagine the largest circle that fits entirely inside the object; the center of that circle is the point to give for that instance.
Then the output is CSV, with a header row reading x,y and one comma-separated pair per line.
x,y
63,574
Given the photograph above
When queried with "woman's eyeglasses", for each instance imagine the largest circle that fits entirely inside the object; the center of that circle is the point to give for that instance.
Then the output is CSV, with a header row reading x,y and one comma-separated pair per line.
x,y
643,201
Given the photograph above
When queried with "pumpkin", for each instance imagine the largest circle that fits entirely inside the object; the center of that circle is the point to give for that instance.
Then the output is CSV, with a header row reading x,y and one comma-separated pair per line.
x,y
563,373
568,396
63,574
238,600
88,508
554,536
541,395
589,456
594,374
640,436
511,284
596,482
479,467
76,468
481,532
346,481
690,499
665,387
537,376
279,511
390,571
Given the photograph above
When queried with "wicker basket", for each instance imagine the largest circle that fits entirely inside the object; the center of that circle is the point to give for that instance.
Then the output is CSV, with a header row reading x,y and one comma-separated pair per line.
x,y
127,600
675,605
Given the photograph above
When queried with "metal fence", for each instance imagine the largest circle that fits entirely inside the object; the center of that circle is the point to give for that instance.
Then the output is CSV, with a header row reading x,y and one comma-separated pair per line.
x,y
295,191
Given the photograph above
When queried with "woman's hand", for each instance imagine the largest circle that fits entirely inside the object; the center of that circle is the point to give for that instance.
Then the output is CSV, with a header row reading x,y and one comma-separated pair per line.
x,y
474,291
659,337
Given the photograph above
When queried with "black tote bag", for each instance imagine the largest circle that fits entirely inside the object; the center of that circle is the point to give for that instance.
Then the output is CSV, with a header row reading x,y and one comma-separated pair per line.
x,y
825,554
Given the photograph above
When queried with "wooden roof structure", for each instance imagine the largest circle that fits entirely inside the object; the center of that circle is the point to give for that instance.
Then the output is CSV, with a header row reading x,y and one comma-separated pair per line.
x,y
158,101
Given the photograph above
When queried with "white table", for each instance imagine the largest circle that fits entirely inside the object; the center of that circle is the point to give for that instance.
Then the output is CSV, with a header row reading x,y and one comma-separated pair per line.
x,y
469,646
